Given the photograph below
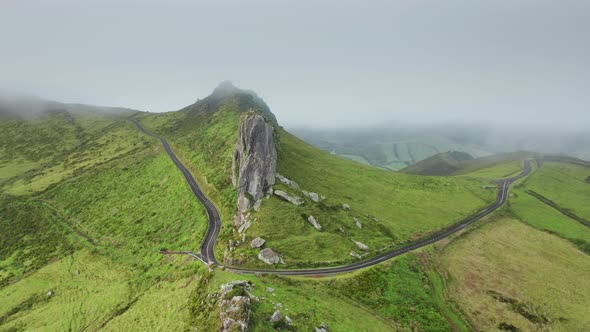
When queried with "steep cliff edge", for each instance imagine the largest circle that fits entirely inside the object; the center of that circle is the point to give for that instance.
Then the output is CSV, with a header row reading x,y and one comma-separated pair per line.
x,y
254,162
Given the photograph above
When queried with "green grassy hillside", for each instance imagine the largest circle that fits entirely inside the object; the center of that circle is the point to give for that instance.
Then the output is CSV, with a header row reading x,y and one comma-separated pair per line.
x,y
87,202
393,208
507,276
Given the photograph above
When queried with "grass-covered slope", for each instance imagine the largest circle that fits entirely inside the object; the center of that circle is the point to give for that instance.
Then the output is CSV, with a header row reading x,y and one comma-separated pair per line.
x,y
508,276
393,208
81,231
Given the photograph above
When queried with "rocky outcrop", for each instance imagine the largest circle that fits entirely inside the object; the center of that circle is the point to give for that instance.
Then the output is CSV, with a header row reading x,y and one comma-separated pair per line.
x,y
254,162
289,198
257,243
361,245
346,207
270,257
235,303
288,181
314,223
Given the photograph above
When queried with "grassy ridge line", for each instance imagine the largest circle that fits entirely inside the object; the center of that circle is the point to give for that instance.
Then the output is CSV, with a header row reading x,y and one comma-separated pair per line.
x,y
566,212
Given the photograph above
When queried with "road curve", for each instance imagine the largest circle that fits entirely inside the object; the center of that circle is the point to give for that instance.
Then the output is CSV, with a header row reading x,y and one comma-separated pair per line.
x,y
207,253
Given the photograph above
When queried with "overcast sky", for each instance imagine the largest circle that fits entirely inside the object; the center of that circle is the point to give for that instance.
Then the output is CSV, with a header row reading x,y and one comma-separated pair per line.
x,y
320,63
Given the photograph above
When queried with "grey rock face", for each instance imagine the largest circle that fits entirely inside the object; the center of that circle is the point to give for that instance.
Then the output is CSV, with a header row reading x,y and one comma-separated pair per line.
x,y
254,162
270,257
315,223
287,181
257,243
288,197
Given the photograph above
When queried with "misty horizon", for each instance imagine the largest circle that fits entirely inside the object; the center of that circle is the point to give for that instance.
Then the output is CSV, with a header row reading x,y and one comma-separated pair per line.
x,y
421,63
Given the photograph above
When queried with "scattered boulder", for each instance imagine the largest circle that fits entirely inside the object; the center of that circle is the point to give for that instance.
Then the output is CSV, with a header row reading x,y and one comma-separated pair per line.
x,y
257,243
358,223
315,223
313,196
50,293
355,255
270,257
361,245
288,181
254,162
257,205
289,198
346,207
270,289
288,321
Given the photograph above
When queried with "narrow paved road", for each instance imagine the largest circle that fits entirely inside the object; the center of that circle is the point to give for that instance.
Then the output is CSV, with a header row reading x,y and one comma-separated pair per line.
x,y
207,253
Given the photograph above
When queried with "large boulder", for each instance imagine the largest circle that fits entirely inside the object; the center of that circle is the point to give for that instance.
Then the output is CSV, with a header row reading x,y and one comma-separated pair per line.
x,y
269,256
314,223
257,243
254,163
289,198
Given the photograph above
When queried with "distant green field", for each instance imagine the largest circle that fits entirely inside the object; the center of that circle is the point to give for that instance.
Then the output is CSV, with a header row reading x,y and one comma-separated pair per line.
x,y
391,149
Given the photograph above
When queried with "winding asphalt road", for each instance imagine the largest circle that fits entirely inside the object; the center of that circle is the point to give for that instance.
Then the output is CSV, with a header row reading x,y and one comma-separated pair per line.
x,y
207,252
